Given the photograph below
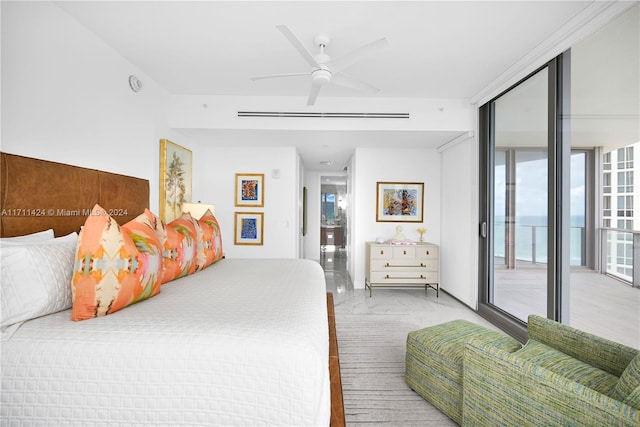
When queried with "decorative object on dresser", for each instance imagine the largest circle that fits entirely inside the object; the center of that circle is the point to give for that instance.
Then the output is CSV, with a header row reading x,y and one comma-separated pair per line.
x,y
402,266
399,201
175,179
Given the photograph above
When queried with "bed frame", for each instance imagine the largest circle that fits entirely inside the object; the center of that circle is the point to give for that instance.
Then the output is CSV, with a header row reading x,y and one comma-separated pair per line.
x,y
36,195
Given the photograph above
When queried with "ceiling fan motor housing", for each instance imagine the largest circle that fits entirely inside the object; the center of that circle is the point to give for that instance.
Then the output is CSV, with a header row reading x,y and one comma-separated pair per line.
x,y
321,76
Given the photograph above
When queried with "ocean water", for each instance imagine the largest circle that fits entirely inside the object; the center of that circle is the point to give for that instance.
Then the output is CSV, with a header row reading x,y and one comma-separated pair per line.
x,y
531,238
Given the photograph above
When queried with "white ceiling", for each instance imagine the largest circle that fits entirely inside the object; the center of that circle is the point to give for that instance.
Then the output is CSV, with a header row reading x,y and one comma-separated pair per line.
x,y
437,49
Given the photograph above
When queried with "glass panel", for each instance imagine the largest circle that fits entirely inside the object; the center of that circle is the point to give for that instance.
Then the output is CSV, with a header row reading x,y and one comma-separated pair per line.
x,y
520,199
500,207
328,207
604,117
578,234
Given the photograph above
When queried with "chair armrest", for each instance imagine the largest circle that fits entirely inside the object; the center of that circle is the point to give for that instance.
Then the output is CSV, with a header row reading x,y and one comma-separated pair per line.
x,y
499,388
599,352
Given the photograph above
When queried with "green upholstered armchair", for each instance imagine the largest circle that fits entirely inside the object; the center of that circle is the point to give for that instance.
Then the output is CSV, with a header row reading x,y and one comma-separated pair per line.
x,y
561,377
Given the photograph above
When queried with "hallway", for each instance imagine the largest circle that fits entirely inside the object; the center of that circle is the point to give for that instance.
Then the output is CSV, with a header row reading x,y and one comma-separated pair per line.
x,y
334,264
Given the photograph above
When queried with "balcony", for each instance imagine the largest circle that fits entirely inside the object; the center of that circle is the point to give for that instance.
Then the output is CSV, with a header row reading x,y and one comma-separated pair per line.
x,y
593,295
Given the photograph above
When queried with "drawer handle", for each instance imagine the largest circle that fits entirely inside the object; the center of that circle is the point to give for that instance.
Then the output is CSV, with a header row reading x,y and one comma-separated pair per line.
x,y
391,277
381,252
427,252
404,252
389,265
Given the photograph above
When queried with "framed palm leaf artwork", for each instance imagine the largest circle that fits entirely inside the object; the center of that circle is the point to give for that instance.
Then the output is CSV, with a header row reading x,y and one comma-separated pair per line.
x,y
175,179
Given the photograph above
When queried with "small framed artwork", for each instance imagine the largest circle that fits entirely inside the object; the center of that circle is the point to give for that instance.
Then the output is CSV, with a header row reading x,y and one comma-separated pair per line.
x,y
399,201
175,179
250,189
248,228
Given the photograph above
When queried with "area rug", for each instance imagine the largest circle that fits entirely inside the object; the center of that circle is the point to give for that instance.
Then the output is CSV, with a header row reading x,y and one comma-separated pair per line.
x,y
372,351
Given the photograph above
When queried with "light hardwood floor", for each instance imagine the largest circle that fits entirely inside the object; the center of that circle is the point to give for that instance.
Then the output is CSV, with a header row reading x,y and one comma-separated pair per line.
x,y
598,303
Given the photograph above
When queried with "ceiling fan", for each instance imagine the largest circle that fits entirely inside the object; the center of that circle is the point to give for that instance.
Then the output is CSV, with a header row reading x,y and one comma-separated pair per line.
x,y
324,70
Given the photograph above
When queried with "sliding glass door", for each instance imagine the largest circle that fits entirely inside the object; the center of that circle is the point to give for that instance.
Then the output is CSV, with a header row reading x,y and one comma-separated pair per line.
x,y
558,156
522,249
520,199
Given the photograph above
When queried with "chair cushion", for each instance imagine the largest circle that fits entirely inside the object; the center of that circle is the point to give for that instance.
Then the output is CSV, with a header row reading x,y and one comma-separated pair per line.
x,y
633,399
434,361
629,380
567,366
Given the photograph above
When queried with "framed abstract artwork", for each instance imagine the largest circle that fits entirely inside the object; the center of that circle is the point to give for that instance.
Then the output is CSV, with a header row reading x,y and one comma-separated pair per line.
x,y
248,229
399,201
175,179
250,189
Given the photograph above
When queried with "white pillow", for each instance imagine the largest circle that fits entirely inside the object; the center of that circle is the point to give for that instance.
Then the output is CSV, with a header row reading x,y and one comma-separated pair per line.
x,y
36,278
33,237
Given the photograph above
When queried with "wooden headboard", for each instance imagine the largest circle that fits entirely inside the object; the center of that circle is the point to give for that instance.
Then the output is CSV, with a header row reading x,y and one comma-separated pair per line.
x,y
36,195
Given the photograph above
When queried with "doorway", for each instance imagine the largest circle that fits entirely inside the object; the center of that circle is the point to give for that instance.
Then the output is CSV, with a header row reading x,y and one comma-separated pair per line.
x,y
333,213
334,223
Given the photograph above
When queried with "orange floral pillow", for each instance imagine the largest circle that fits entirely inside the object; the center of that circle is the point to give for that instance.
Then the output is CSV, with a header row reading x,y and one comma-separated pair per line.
x,y
212,238
114,266
200,241
179,249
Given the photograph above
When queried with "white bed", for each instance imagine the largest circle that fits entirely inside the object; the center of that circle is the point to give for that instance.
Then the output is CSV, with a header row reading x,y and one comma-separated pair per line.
x,y
243,342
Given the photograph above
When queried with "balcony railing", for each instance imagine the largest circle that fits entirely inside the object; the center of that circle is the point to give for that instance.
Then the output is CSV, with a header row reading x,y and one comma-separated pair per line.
x,y
619,249
620,254
531,244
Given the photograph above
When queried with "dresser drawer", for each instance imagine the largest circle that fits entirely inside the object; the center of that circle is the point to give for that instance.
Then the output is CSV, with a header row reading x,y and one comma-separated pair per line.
x,y
399,264
427,252
404,251
381,252
403,277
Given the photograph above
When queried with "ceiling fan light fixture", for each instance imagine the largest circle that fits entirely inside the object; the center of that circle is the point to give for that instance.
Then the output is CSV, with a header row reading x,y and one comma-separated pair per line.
x,y
321,76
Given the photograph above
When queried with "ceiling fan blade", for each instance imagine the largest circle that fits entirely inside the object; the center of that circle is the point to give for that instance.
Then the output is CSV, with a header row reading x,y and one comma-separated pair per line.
x,y
273,76
313,94
298,45
350,58
347,81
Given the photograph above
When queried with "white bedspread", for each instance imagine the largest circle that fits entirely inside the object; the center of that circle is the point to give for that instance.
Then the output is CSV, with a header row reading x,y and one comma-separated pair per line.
x,y
244,342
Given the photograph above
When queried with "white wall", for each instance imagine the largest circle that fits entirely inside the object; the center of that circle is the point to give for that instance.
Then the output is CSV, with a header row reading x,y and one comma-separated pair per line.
x,y
371,165
215,183
66,97
459,230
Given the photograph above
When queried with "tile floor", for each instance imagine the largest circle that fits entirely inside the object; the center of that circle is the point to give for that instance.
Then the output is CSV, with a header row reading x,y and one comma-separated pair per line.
x,y
421,306
593,293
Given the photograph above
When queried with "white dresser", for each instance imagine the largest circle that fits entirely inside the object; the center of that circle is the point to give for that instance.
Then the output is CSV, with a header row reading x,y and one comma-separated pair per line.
x,y
402,266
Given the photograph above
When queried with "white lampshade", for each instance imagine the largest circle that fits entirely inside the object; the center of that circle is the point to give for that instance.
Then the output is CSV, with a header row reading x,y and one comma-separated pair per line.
x,y
197,209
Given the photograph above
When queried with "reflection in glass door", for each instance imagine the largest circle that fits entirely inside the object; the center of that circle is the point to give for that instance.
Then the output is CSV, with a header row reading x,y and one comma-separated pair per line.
x,y
520,222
